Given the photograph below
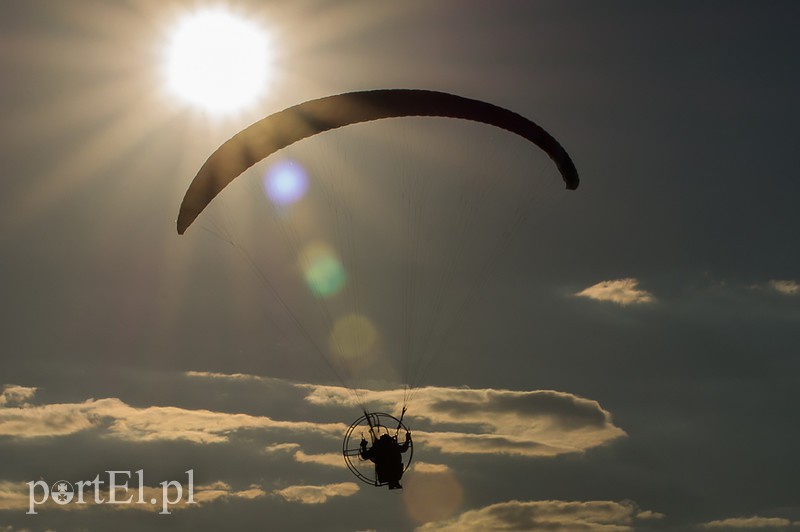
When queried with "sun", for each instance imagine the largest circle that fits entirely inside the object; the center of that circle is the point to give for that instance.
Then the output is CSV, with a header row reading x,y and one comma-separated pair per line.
x,y
218,61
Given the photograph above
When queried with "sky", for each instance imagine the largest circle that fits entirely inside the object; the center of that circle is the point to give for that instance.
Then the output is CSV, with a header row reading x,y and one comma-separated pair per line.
x,y
622,357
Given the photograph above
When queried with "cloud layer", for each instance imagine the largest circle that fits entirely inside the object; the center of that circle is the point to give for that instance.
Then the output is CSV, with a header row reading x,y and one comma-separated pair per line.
x,y
317,494
550,516
488,421
119,420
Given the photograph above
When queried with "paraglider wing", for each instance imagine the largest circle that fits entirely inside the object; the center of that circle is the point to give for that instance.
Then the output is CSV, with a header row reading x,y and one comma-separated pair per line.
x,y
286,127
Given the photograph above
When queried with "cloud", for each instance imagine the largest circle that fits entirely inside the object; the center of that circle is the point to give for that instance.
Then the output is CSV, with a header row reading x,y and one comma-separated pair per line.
x,y
789,288
489,421
550,516
13,495
47,420
222,490
224,376
120,420
16,395
620,291
786,287
326,459
317,494
281,448
748,523
650,514
425,467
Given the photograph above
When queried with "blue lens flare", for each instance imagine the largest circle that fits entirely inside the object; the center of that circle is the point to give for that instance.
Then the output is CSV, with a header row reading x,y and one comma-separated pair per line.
x,y
285,182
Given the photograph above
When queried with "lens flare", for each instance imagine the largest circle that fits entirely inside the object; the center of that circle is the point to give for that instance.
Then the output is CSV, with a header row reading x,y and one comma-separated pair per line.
x,y
285,182
322,270
353,336
431,496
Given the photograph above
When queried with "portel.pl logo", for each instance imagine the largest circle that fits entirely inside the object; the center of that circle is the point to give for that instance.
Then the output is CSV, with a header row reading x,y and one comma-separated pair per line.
x,y
116,491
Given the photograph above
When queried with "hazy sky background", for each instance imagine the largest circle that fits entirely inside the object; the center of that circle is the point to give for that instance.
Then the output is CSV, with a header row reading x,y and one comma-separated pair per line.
x,y
631,363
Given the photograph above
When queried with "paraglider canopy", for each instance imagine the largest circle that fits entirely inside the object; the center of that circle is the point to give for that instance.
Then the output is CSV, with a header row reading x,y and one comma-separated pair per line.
x,y
283,128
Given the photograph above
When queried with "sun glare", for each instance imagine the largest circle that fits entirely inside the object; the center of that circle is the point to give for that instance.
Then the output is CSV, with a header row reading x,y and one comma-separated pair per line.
x,y
218,61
